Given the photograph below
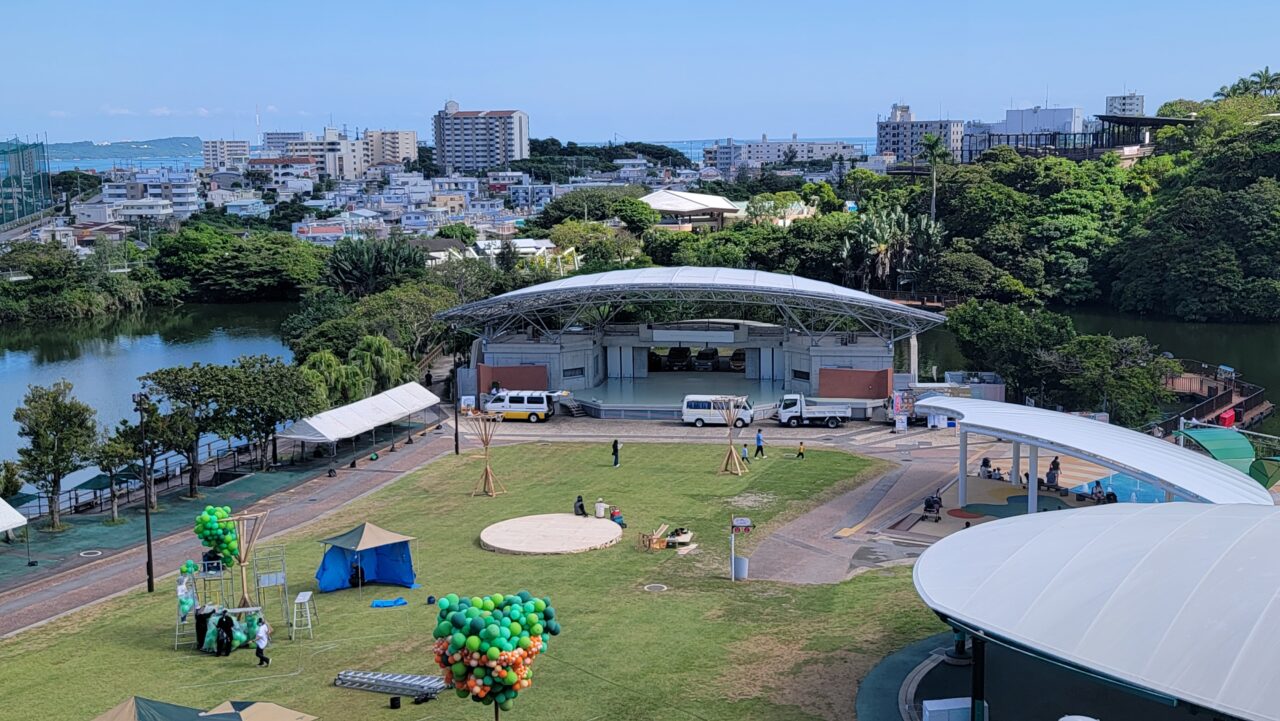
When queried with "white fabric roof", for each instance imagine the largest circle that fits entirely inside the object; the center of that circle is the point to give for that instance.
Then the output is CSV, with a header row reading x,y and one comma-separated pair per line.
x,y
362,416
1175,598
675,201
10,518
1186,473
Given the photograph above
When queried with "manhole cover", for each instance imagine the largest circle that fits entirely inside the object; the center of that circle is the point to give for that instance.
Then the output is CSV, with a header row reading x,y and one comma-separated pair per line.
x,y
312,500
90,554
655,588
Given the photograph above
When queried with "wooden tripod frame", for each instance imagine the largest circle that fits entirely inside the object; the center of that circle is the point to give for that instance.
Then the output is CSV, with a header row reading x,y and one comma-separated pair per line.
x,y
248,528
482,425
728,407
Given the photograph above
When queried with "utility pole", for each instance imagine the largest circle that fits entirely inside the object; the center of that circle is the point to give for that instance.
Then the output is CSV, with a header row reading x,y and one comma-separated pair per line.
x,y
140,401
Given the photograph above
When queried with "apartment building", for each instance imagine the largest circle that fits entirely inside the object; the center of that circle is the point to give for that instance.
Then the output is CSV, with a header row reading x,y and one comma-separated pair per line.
x,y
901,133
335,155
730,156
225,153
284,169
1130,104
391,146
180,187
277,141
469,140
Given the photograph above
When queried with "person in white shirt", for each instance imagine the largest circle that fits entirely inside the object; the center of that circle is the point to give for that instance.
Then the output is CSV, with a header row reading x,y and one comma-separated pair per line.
x,y
260,641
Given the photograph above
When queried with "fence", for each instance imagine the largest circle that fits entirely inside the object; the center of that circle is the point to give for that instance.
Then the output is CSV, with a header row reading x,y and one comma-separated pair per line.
x,y
1232,393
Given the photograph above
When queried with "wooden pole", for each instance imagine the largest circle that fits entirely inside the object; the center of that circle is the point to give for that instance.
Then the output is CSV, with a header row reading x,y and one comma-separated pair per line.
x,y
483,425
728,407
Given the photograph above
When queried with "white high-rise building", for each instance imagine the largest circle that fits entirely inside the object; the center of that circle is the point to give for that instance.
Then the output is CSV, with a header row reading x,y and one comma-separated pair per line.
x,y
179,187
1131,104
901,133
225,153
479,139
391,146
732,155
335,155
277,141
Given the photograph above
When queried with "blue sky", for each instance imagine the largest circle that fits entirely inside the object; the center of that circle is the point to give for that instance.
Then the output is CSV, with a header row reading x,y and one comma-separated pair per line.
x,y
649,70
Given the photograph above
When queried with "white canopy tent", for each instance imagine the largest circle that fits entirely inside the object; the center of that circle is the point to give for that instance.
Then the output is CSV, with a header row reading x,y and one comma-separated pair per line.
x,y
1175,599
10,518
362,416
1179,471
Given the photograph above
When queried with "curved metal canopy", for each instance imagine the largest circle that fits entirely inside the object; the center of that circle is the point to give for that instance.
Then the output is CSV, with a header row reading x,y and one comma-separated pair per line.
x,y
1174,599
797,299
1186,473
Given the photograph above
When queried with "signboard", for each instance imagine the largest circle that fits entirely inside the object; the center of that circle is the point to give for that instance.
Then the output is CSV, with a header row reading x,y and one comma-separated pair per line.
x,y
742,524
900,423
467,402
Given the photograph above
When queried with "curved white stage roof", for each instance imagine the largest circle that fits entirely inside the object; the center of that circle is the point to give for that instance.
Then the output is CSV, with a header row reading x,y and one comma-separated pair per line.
x,y
715,285
1179,599
1165,464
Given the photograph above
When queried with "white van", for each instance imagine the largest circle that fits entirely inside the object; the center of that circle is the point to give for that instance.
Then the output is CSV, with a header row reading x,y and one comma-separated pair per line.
x,y
701,410
532,406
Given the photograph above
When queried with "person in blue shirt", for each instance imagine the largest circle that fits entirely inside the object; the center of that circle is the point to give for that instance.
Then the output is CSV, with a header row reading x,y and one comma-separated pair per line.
x,y
760,444
746,458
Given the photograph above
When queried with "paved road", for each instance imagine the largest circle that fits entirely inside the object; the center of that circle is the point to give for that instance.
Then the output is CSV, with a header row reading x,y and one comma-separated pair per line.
x,y
51,597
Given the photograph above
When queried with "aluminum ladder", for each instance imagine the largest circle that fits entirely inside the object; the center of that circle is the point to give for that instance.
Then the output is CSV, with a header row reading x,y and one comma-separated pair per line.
x,y
303,609
420,688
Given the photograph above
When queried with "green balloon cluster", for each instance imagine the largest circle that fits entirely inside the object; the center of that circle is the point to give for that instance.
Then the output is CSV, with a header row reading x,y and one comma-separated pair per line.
x,y
487,645
216,532
189,567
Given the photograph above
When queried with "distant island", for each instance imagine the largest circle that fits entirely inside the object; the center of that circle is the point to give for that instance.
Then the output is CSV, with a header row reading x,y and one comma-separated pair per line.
x,y
126,149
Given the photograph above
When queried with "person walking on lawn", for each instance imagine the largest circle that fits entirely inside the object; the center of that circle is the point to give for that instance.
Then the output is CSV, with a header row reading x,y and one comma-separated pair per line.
x,y
800,451
760,444
617,447
260,642
746,457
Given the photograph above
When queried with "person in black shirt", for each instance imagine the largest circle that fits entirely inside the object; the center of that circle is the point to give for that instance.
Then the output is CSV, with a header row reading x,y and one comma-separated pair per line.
x,y
226,629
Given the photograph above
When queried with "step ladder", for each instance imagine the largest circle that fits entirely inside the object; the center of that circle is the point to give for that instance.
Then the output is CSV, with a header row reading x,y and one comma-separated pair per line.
x,y
419,688
573,406
184,634
303,609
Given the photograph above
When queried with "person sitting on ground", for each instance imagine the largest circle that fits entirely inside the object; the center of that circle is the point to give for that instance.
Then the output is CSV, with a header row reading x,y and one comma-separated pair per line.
x,y
997,474
1097,494
984,470
579,509
615,515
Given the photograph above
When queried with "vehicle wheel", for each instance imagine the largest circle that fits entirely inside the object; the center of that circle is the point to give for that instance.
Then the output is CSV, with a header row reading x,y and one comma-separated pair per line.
x,y
833,422
794,422
533,418
738,423
938,519
697,423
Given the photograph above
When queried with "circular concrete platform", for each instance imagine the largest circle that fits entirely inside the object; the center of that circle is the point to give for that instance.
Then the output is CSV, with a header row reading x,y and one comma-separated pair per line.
x,y
550,533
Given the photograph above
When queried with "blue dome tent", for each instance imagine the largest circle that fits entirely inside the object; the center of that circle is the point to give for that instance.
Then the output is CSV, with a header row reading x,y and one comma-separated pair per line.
x,y
366,554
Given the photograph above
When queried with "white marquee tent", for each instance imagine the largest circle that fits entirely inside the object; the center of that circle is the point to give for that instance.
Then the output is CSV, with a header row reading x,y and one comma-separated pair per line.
x,y
9,518
362,416
1175,599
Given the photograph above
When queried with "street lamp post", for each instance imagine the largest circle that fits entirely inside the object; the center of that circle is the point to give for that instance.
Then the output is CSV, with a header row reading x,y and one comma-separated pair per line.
x,y
140,401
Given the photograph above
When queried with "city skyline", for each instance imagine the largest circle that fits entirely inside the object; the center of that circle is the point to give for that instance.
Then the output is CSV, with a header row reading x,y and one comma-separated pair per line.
x,y
658,71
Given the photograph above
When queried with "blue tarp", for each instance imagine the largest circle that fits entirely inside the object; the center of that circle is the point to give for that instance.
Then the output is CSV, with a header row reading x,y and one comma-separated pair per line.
x,y
390,564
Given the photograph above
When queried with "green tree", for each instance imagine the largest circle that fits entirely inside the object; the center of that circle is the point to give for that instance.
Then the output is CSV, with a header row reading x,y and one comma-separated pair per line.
x,y
508,257
365,266
1124,377
585,204
714,251
823,197
1008,340
383,363
635,215
10,479
596,242
934,151
337,383
405,315
262,393
458,231
194,396
59,433
111,453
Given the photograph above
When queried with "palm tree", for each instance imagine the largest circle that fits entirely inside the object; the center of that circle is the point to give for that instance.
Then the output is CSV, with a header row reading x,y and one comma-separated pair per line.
x,y
1265,81
934,152
379,360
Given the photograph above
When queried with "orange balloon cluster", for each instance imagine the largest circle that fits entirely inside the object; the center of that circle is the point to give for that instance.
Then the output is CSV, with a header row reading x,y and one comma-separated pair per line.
x,y
507,664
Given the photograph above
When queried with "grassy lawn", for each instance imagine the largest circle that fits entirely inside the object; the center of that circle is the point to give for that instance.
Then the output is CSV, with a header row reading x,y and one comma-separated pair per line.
x,y
704,649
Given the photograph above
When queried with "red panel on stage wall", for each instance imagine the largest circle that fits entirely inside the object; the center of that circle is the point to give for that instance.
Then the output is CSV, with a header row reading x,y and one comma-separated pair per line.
x,y
848,383
513,378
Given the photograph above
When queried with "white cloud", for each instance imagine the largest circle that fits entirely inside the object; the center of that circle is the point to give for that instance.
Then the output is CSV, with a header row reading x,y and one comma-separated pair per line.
x,y
272,109
202,112
113,110
304,113
59,114
160,112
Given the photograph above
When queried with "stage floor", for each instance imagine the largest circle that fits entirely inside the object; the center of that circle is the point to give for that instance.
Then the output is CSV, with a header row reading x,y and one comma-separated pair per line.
x,y
670,388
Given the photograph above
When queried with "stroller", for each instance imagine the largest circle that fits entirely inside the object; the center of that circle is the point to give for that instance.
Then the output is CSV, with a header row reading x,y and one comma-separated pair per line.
x,y
932,508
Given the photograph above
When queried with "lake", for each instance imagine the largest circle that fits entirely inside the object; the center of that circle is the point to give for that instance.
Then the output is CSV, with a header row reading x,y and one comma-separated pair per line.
x,y
104,357
1250,348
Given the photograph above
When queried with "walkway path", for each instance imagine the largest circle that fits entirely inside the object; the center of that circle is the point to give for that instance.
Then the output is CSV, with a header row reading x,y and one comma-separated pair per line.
x,y
66,591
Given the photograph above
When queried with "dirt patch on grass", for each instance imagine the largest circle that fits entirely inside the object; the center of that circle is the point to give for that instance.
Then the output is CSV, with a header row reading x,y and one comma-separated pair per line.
x,y
752,499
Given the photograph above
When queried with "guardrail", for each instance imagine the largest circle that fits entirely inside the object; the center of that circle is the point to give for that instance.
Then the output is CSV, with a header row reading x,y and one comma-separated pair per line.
x,y
1251,395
